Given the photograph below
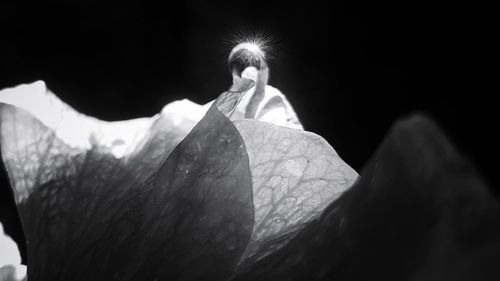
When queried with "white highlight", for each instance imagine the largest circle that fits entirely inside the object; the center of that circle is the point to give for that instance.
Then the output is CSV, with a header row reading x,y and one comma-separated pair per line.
x,y
9,255
81,131
281,115
294,167
182,109
254,47
123,137
250,73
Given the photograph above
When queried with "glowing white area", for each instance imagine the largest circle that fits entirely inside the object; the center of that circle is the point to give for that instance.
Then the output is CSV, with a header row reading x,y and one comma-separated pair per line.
x,y
250,73
251,46
9,254
80,131
122,137
182,109
281,114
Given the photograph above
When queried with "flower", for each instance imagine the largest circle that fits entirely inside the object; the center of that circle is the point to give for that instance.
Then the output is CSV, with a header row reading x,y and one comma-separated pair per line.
x,y
167,197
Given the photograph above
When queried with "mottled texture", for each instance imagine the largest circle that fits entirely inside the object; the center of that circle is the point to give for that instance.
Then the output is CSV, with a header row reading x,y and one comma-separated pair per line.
x,y
40,133
162,138
203,201
295,175
420,211
96,218
171,205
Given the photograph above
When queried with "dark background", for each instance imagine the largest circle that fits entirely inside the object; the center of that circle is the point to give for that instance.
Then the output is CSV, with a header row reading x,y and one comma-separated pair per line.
x,y
350,69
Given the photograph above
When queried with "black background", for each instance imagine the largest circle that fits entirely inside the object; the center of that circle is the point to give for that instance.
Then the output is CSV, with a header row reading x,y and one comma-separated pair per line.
x,y
350,69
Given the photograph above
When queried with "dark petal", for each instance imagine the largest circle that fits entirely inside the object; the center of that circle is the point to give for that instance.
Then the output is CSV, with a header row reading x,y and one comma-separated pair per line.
x,y
420,211
88,215
295,175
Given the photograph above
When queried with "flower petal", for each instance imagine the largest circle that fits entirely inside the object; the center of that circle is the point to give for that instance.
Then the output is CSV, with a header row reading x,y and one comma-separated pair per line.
x,y
420,211
98,216
295,175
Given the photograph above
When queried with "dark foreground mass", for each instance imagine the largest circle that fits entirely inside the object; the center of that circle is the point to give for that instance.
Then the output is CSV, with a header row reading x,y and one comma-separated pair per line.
x,y
420,211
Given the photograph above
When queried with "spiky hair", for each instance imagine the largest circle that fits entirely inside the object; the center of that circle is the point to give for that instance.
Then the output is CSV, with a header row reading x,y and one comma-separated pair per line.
x,y
250,50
